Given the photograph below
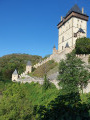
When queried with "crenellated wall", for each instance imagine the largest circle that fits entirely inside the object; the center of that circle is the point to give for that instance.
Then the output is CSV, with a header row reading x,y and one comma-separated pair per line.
x,y
84,57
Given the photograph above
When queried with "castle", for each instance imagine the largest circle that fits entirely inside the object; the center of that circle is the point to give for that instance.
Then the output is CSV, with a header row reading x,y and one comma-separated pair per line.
x,y
71,27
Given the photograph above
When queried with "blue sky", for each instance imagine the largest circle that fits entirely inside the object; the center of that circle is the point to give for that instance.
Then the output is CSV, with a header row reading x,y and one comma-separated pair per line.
x,y
30,26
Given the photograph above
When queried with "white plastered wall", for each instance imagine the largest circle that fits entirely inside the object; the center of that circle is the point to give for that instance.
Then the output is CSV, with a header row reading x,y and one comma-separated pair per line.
x,y
28,69
79,23
67,31
14,77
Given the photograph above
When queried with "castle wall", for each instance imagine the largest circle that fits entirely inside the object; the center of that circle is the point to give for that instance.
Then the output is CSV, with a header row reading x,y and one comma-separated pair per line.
x,y
65,35
79,23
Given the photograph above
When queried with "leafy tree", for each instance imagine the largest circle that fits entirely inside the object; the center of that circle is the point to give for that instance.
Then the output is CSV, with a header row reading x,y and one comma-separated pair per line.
x,y
72,74
64,107
82,46
46,83
15,105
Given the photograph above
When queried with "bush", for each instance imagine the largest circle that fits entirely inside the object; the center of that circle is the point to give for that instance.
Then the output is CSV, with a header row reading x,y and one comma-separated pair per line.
x,y
82,46
46,83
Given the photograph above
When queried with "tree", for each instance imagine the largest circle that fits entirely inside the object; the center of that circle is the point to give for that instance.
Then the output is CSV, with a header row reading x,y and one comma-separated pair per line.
x,y
15,105
72,74
46,83
82,46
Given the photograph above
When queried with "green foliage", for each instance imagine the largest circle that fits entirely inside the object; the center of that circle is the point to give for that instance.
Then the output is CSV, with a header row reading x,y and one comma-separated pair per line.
x,y
82,46
46,84
15,105
38,96
11,62
19,99
72,74
64,107
44,69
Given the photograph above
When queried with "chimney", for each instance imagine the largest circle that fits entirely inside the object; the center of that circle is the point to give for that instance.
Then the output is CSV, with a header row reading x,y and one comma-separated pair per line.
x,y
82,10
61,18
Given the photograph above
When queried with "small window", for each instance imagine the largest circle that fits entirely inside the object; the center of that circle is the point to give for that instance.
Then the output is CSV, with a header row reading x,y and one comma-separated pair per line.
x,y
62,47
75,34
63,39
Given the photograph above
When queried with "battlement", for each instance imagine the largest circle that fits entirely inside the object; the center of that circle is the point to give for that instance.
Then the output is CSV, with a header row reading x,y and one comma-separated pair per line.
x,y
84,57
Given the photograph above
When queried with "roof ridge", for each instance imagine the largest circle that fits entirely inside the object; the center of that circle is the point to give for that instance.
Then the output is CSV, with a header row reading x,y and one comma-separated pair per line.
x,y
75,8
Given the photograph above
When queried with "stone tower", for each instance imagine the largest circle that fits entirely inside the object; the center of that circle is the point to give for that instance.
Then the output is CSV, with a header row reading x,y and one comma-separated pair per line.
x,y
15,75
29,67
54,50
71,27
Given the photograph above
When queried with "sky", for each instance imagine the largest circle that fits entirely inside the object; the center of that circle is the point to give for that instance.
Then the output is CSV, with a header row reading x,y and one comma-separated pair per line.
x,y
30,26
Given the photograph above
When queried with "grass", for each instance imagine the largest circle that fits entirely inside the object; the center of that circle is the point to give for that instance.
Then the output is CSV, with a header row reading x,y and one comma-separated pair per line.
x,y
23,77
54,70
44,69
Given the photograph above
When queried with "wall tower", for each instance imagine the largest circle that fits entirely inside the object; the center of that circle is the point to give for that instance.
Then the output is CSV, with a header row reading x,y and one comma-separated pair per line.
x,y
15,75
29,67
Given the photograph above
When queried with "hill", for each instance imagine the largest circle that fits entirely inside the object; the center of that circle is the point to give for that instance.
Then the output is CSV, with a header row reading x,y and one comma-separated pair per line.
x,y
9,63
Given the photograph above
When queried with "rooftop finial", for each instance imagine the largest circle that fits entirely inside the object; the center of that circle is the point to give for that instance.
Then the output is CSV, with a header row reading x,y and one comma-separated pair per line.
x,y
82,10
61,18
54,46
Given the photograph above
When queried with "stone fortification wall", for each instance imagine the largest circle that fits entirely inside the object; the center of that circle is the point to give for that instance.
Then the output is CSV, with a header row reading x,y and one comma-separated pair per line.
x,y
61,55
56,57
41,63
29,79
87,88
84,57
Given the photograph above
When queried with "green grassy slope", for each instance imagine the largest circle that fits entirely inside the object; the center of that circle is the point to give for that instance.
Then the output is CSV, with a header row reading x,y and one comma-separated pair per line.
x,y
54,70
44,69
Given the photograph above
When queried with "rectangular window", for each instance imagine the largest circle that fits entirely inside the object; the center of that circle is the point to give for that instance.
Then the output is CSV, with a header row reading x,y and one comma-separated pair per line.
x,y
75,34
63,39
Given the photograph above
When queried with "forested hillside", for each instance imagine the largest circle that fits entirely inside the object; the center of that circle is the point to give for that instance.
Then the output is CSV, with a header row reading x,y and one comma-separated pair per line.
x,y
9,63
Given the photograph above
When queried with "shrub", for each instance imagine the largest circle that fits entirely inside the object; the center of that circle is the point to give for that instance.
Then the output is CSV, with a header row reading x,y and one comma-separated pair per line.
x,y
46,83
82,46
